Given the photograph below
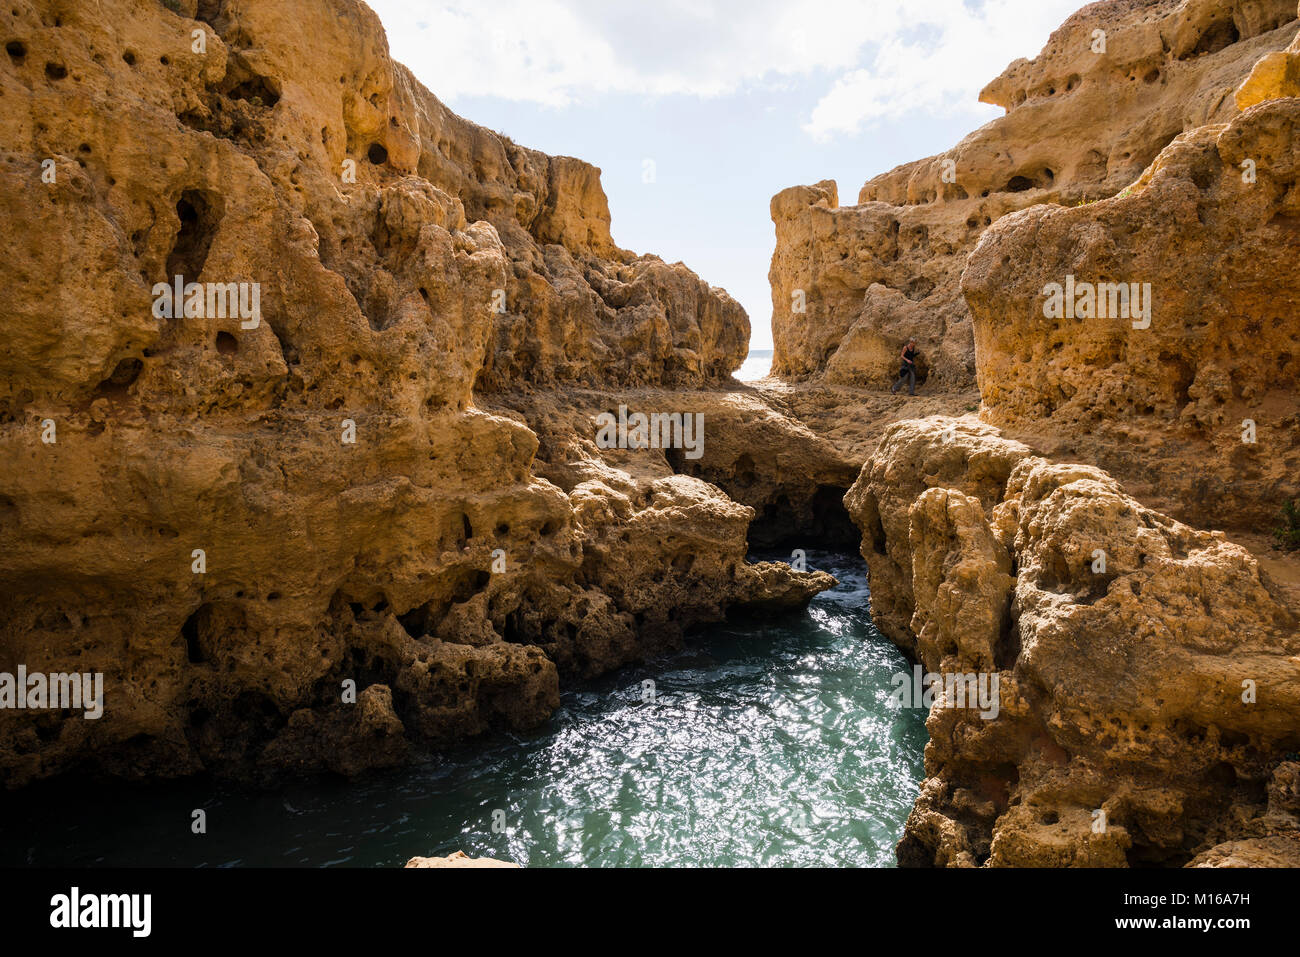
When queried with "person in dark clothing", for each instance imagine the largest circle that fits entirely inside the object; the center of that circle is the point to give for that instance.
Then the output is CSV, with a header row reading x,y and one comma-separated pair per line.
x,y
908,372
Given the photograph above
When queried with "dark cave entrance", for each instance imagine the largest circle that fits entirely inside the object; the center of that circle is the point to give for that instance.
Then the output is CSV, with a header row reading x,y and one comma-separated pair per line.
x,y
199,214
819,521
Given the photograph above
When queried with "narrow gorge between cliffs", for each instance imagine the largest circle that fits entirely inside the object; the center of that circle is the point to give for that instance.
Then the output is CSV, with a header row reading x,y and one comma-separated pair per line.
x,y
768,741
387,510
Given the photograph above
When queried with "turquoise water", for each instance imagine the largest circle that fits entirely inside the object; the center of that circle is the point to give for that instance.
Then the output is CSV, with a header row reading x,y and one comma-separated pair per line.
x,y
768,742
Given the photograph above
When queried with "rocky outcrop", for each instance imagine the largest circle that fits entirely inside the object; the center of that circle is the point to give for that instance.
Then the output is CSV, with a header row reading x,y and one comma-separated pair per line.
x,y
1275,75
792,477
1084,119
1192,398
1148,673
317,534
458,859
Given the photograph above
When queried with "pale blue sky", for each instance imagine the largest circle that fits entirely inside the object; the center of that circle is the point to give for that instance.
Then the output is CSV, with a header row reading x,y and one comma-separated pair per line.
x,y
732,100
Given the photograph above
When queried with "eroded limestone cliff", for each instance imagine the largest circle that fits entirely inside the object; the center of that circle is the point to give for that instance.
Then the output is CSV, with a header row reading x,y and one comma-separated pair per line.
x,y
1149,673
1084,119
1194,402
377,476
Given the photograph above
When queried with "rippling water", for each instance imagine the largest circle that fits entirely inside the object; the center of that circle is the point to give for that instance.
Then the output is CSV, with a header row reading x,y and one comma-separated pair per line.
x,y
768,742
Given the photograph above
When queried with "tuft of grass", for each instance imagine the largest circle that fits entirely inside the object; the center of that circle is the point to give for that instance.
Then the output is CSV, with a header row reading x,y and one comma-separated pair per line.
x,y
1287,534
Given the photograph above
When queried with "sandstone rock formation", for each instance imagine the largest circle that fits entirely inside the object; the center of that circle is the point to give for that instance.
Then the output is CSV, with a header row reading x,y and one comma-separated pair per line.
x,y
458,859
1081,125
794,479
1195,405
1149,673
319,535
1275,75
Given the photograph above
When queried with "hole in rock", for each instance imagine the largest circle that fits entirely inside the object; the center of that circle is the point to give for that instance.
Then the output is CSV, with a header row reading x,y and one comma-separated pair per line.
x,y
212,631
1007,648
255,89
415,622
1233,739
208,10
1216,37
16,49
818,521
121,378
198,217
56,71
227,344
190,632
377,154
744,470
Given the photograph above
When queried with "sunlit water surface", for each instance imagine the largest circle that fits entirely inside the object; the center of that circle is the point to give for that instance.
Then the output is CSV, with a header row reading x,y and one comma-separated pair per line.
x,y
768,742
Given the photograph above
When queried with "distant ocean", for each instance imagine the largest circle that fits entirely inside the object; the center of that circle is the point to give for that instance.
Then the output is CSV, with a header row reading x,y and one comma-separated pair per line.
x,y
756,365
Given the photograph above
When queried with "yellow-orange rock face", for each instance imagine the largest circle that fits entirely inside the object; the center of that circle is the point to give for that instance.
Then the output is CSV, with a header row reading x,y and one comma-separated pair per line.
x,y
1083,121
237,518
1196,402
458,859
1149,673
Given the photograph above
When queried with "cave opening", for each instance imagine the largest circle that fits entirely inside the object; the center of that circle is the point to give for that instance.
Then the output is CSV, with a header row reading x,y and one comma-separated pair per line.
x,y
198,215
190,633
121,379
1217,36
819,521
209,10
257,90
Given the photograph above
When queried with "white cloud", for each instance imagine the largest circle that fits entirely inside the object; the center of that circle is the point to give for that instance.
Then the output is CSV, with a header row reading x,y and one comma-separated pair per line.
x,y
878,58
938,70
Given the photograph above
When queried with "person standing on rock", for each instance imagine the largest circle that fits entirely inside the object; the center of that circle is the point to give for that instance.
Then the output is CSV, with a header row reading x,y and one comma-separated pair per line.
x,y
908,372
